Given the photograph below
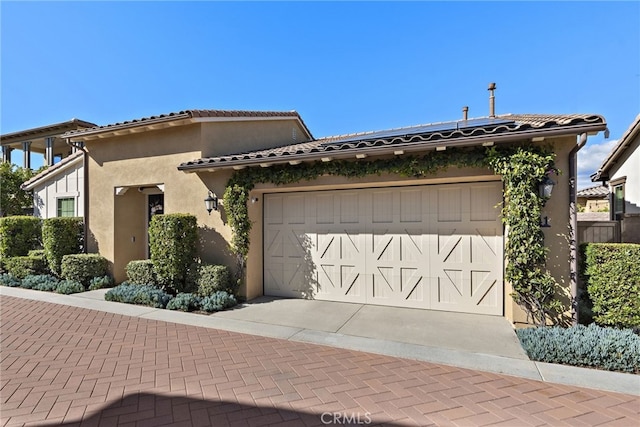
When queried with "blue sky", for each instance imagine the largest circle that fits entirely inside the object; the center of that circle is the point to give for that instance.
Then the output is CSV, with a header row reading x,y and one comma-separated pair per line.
x,y
345,67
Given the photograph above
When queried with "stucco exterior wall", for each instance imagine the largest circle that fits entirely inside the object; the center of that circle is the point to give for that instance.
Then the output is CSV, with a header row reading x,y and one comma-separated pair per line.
x,y
117,224
68,183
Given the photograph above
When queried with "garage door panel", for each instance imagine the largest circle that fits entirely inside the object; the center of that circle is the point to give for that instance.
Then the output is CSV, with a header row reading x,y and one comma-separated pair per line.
x,y
434,247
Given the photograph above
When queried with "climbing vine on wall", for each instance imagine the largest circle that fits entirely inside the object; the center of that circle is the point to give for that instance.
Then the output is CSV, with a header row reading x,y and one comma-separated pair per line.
x,y
521,168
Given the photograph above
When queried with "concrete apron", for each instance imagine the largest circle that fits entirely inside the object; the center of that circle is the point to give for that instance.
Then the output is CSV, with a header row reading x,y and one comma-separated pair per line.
x,y
492,335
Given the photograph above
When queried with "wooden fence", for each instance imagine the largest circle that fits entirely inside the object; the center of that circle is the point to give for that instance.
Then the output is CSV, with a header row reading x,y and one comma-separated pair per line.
x,y
599,232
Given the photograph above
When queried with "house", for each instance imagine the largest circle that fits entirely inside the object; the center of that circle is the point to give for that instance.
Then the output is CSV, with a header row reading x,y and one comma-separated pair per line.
x,y
620,171
594,199
45,140
433,242
59,189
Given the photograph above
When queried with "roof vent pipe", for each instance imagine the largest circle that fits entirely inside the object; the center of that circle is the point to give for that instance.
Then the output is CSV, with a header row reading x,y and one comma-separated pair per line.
x,y
492,100
465,112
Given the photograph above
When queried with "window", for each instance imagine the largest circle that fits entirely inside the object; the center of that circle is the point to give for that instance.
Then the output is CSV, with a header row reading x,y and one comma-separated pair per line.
x,y
67,207
618,201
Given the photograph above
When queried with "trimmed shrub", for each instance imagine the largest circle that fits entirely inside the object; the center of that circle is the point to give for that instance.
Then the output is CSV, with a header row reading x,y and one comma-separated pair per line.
x,y
217,301
36,252
138,294
173,244
7,279
23,266
61,236
612,273
213,278
70,287
141,272
19,235
184,302
592,346
83,267
40,282
100,282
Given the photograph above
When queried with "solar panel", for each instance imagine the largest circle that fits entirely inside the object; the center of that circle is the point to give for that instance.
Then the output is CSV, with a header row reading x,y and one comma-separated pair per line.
x,y
424,129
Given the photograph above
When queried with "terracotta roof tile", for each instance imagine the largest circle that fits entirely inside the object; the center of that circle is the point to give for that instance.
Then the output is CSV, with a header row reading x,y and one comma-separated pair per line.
x,y
415,137
595,192
185,114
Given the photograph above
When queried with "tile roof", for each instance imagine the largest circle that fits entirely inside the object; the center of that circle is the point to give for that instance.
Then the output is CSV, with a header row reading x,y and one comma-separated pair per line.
x,y
413,138
185,114
52,170
593,216
45,130
597,191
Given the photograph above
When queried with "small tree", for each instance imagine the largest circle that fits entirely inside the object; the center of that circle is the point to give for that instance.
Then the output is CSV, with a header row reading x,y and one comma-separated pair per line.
x,y
173,245
13,199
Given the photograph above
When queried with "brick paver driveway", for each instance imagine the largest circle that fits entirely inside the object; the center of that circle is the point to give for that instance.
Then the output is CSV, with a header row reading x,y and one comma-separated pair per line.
x,y
71,366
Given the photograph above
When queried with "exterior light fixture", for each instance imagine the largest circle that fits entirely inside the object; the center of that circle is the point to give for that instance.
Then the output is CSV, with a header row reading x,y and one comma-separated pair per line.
x,y
545,188
211,202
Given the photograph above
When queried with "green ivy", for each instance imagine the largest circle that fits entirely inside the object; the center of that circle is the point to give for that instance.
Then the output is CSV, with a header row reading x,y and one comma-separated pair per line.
x,y
521,168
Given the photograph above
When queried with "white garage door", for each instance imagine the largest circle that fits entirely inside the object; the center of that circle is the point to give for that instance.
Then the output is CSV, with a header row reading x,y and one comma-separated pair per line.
x,y
434,247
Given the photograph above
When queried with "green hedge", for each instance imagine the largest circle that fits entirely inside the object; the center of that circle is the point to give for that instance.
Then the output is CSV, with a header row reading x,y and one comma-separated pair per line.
x,y
213,278
593,346
83,267
141,272
612,274
19,235
23,266
61,236
173,245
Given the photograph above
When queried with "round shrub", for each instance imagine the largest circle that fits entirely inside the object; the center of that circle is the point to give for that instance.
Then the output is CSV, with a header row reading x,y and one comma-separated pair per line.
x,y
41,282
213,278
138,294
141,272
83,267
184,302
217,301
7,279
23,266
100,282
70,287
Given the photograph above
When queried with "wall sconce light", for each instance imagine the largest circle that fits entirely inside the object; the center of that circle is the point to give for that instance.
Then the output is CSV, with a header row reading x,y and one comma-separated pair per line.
x,y
545,188
254,199
211,202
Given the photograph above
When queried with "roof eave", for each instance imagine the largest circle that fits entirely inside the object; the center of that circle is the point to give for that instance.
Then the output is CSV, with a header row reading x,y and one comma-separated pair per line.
x,y
602,174
49,173
409,147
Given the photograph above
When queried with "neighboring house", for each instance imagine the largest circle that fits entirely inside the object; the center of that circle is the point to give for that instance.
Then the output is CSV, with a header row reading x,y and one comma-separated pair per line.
x,y
594,199
621,171
45,140
59,189
433,243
